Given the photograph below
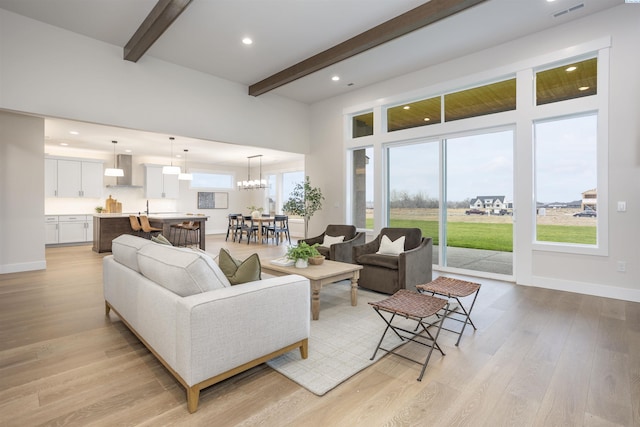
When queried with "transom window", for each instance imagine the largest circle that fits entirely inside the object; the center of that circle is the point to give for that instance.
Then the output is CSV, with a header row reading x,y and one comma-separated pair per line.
x,y
573,80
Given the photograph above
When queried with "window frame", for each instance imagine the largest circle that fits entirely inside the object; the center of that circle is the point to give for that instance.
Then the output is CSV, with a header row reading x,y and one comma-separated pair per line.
x,y
522,118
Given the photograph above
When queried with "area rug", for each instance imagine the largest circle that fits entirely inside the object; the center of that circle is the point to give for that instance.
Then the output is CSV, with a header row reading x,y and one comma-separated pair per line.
x,y
342,341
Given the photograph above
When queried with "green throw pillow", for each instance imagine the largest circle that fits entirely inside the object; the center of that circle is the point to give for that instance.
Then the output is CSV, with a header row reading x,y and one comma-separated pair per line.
x,y
239,271
161,239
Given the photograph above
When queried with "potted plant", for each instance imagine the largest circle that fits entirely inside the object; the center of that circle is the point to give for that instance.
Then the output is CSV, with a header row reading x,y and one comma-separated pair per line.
x,y
304,201
301,253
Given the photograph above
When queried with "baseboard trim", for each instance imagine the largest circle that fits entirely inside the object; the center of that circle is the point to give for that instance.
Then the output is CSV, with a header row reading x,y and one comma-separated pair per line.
x,y
23,266
607,291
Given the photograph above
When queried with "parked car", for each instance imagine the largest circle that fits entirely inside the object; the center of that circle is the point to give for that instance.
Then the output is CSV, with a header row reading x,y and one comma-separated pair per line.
x,y
474,212
586,212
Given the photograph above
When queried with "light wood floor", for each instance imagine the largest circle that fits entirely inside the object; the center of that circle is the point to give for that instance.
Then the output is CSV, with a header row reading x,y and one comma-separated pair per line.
x,y
539,358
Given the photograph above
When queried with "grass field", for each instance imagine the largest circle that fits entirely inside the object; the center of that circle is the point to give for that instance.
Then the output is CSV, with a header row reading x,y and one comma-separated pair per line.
x,y
483,233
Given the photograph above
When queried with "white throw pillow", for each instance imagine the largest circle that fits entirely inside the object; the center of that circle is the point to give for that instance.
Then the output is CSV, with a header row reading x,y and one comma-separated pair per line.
x,y
387,247
330,240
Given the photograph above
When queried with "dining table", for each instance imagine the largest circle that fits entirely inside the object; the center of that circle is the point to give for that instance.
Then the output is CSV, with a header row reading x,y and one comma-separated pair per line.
x,y
262,221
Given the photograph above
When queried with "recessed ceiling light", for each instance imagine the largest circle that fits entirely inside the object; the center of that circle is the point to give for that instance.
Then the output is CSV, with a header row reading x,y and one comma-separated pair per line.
x,y
335,78
247,41
572,68
583,88
127,151
426,119
64,144
406,107
74,132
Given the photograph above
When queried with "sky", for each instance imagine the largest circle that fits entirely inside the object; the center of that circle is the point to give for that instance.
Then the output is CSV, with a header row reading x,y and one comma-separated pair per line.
x,y
482,165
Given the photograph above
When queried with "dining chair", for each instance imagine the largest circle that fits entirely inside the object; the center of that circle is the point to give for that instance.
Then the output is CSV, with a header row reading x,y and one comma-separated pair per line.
x,y
280,227
234,225
249,228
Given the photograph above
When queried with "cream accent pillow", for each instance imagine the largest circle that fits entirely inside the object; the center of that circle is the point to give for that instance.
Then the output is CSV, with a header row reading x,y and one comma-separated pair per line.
x,y
387,247
330,240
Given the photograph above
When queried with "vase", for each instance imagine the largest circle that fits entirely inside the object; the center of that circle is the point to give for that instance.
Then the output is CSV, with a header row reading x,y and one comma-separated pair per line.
x,y
301,263
255,214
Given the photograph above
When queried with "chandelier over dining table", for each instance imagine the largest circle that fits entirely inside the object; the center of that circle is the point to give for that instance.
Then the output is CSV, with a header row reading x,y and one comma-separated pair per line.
x,y
250,184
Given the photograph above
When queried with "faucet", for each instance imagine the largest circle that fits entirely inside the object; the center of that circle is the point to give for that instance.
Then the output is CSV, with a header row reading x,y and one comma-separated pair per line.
x,y
147,207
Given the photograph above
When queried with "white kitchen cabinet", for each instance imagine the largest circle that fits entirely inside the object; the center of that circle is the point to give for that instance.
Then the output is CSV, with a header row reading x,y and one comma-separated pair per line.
x,y
73,178
92,179
75,228
51,178
51,230
160,186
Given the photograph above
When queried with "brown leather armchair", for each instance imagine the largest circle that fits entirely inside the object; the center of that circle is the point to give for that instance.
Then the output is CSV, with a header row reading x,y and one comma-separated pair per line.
x,y
338,251
390,273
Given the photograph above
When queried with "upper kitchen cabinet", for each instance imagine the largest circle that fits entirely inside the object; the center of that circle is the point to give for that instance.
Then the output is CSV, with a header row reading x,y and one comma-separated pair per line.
x,y
160,186
73,178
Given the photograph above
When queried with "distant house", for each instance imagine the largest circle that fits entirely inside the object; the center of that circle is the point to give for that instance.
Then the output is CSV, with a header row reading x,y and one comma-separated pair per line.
x,y
490,202
590,199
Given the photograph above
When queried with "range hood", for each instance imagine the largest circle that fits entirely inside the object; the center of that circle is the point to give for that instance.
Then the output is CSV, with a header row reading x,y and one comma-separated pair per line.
x,y
124,162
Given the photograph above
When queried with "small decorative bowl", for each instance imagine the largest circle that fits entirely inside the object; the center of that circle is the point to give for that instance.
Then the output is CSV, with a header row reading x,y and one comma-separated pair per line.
x,y
316,260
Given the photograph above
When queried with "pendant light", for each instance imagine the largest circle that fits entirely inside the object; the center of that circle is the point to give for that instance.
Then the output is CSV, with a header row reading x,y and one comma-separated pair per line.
x,y
250,184
171,170
114,171
185,176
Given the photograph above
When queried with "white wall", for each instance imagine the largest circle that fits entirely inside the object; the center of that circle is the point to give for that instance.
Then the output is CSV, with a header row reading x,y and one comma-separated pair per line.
x,y
580,273
21,193
53,72
47,71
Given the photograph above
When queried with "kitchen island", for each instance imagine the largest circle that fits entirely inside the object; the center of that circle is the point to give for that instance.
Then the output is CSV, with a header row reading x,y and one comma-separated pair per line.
x,y
108,226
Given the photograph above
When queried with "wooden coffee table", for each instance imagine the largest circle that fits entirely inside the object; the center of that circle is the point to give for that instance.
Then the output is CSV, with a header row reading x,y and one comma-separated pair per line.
x,y
320,275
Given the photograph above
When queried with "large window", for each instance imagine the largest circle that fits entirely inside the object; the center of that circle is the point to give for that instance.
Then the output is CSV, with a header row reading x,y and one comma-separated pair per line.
x,y
457,158
479,195
362,212
414,196
566,180
212,180
289,181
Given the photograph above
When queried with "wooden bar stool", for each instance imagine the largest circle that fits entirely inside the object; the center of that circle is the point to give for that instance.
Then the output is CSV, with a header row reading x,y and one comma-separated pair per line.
x,y
147,228
456,289
415,306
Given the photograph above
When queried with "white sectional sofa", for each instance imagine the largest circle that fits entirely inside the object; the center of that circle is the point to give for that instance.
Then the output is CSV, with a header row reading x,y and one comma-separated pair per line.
x,y
181,306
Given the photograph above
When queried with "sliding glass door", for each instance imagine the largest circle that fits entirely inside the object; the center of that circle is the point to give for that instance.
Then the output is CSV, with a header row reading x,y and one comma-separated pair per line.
x,y
479,200
413,183
459,192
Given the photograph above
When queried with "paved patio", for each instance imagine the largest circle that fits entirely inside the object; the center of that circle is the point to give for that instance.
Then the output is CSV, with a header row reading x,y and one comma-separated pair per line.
x,y
479,260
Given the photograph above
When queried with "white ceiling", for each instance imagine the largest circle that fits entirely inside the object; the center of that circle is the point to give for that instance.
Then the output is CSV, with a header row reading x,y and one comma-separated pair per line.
x,y
207,35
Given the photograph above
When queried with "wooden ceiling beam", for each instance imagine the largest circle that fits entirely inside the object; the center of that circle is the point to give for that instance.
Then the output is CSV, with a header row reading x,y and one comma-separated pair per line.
x,y
159,19
414,19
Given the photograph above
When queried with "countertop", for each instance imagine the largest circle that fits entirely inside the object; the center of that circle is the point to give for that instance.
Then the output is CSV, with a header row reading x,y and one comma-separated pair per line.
x,y
173,215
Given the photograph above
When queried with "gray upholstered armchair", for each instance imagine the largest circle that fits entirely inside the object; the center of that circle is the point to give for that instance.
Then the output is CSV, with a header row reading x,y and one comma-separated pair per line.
x,y
389,273
338,251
